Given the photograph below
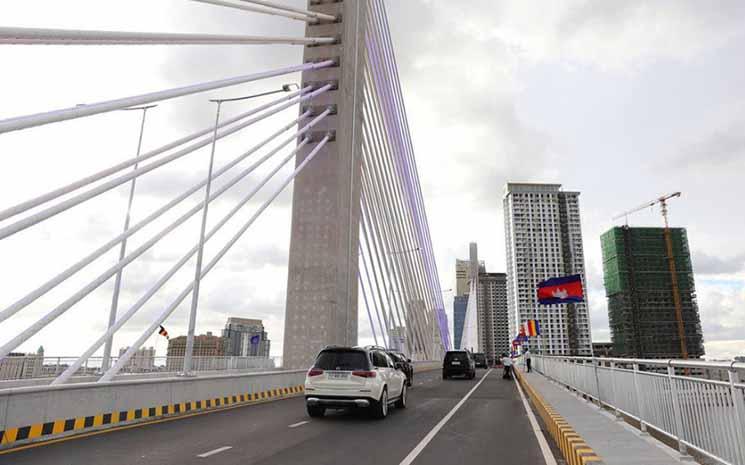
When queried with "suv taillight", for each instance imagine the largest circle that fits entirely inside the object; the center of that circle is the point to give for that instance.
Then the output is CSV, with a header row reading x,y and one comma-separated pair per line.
x,y
315,372
364,374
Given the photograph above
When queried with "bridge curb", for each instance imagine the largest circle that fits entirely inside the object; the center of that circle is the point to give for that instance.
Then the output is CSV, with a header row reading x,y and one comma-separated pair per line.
x,y
13,439
574,449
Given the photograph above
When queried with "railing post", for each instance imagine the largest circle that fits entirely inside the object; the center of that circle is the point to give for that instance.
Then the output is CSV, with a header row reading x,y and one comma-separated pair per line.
x,y
614,399
676,410
597,382
640,400
737,400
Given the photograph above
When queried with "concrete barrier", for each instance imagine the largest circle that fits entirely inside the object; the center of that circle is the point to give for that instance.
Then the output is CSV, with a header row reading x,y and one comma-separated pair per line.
x,y
40,413
574,449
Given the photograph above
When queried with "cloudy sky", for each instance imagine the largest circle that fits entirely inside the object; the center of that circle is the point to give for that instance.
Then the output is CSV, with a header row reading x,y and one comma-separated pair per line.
x,y
622,101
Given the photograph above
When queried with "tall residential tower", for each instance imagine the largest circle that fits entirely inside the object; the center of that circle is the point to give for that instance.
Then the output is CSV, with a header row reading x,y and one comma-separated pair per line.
x,y
544,240
494,334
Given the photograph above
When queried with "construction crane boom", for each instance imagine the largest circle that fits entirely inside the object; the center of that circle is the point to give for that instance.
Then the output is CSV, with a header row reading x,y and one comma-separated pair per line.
x,y
670,262
661,200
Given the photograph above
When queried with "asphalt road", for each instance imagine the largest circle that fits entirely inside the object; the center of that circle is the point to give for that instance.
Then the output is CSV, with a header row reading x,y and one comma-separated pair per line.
x,y
491,426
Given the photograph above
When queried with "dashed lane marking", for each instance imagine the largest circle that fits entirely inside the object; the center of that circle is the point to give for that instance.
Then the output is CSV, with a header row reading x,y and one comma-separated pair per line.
x,y
215,451
300,423
423,443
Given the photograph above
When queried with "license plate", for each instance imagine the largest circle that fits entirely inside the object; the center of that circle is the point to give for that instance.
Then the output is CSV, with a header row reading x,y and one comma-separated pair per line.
x,y
338,375
455,362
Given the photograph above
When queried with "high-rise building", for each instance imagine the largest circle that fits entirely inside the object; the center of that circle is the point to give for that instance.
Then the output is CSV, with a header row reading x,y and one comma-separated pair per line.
x,y
494,333
244,337
638,285
143,360
544,240
205,345
462,268
488,331
459,317
22,366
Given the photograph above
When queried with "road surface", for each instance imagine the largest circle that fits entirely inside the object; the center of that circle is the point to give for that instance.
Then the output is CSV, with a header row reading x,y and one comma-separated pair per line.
x,y
489,426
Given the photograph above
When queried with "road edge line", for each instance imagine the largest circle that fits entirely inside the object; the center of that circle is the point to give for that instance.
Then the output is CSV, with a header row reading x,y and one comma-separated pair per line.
x,y
573,447
548,456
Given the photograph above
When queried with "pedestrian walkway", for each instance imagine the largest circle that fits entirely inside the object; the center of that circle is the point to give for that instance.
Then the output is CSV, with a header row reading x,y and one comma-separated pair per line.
x,y
616,442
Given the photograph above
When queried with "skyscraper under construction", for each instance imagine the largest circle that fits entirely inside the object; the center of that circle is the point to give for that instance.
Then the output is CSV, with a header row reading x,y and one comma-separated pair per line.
x,y
641,305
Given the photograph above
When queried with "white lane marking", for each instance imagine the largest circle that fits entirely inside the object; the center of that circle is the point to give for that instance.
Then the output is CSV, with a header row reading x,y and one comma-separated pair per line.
x,y
213,452
300,423
545,449
423,443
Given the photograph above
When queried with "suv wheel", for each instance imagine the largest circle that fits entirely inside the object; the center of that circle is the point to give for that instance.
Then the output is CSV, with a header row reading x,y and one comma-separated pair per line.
x,y
401,402
380,408
315,411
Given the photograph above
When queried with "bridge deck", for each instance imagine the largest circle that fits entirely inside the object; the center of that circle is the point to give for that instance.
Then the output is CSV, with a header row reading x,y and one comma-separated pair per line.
x,y
490,426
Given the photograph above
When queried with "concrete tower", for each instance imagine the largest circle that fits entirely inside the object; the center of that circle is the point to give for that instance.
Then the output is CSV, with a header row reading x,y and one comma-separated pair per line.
x,y
322,271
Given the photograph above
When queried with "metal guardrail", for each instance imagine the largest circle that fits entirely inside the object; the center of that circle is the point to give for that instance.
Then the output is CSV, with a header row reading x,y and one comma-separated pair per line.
x,y
703,415
36,366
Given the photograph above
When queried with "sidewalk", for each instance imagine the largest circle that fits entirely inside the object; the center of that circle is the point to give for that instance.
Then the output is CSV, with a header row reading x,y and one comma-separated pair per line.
x,y
616,442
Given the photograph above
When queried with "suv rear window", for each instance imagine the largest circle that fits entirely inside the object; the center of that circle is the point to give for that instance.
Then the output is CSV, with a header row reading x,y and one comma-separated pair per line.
x,y
462,356
342,360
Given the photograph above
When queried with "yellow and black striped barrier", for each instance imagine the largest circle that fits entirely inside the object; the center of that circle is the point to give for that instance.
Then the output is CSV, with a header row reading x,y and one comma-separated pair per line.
x,y
12,437
574,449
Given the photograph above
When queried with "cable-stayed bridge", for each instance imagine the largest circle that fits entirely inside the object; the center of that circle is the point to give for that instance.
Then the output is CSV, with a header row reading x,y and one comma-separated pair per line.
x,y
360,247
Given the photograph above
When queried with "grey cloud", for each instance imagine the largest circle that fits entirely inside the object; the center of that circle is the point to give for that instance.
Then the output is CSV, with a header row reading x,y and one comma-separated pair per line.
x,y
721,150
434,70
196,64
704,264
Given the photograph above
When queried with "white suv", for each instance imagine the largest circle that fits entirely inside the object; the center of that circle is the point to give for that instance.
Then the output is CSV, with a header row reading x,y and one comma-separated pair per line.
x,y
343,377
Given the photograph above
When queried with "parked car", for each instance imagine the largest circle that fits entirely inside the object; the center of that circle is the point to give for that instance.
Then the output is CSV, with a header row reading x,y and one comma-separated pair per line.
x,y
406,366
458,363
354,377
480,360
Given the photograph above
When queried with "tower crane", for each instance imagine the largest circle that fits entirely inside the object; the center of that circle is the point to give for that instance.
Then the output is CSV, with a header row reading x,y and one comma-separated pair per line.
x,y
670,261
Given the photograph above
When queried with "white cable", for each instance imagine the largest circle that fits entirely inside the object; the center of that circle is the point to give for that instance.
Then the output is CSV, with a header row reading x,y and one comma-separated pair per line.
x,y
111,372
279,6
64,275
367,307
72,369
51,195
23,122
93,285
41,36
49,212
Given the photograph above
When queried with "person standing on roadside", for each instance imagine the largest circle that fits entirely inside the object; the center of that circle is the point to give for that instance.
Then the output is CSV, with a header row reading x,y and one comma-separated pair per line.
x,y
527,359
507,362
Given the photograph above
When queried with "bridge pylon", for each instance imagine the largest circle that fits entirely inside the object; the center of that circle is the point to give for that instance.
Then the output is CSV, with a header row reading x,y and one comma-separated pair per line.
x,y
322,274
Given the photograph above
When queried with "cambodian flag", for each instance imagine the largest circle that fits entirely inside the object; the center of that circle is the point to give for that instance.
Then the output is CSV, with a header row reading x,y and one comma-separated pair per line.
x,y
563,290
